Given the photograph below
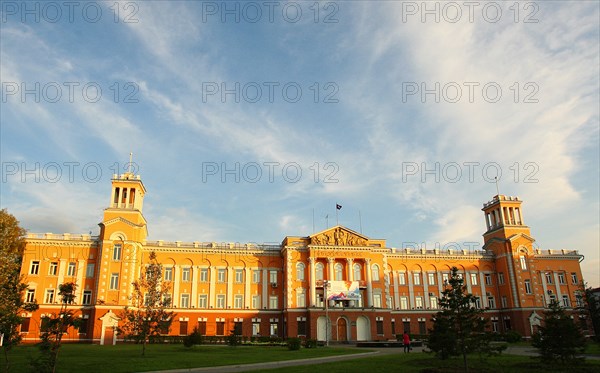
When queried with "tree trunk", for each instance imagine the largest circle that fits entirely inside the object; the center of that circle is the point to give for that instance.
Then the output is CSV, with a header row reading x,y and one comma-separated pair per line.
x,y
144,348
6,359
465,362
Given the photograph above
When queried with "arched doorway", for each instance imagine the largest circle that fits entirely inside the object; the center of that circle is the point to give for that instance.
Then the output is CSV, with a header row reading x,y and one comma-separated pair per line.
x,y
342,330
363,332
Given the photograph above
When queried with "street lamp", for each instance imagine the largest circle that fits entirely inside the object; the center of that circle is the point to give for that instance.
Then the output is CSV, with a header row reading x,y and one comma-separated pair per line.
x,y
327,327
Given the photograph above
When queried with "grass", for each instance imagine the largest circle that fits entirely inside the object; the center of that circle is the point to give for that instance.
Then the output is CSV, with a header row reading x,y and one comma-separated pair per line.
x,y
127,358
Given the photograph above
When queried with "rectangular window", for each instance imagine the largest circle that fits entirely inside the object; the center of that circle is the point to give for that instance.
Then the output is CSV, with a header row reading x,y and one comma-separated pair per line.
x,y
221,301
501,278
488,279
302,327
87,297
445,278
89,271
495,326
203,274
25,324
548,277
523,262
71,269
491,302
53,269
168,273
183,328
477,302
34,269
417,278
273,302
404,303
422,328
117,252
256,302
377,300
561,279
418,302
504,302
49,296
527,286
393,327
202,327
474,279
565,301
431,278
402,278
255,328
574,278
222,275
114,281
256,276
185,274
273,277
238,301
237,328
83,326
379,325
30,296
579,300
300,299
203,301
406,326
185,301
220,327
239,276
434,302
273,329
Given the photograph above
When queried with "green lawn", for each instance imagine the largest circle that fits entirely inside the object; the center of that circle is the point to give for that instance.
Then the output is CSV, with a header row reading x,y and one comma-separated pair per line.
x,y
127,358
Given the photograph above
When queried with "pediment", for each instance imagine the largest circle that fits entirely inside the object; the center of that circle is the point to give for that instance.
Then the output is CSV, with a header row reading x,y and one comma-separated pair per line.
x,y
338,236
121,220
518,235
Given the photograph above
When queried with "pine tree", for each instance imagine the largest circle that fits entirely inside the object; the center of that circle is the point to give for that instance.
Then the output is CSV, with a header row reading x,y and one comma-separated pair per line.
x,y
559,338
147,315
459,327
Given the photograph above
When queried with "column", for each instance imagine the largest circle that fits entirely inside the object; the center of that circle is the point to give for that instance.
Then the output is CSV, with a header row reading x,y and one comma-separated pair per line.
x,y
440,283
369,285
62,266
330,263
502,215
467,277
411,290
311,275
194,300
557,286
211,287
176,280
265,288
229,296
426,289
350,270
396,290
483,293
80,285
545,288
247,295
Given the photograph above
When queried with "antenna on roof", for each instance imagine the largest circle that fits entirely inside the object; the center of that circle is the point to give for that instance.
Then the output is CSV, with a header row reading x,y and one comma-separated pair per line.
x,y
130,162
497,190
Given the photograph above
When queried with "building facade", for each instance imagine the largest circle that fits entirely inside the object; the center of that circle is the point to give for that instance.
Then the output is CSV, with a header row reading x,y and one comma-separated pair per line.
x,y
280,290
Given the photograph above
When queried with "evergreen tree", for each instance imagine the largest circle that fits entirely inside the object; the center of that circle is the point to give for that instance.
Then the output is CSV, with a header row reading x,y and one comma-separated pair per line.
x,y
459,327
559,338
147,316
12,284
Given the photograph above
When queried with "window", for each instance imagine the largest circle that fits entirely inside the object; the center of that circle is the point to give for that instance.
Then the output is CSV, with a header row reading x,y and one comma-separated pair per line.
x,y
220,327
404,303
433,302
357,272
221,301
477,302
87,297
504,302
491,302
379,325
300,299
422,328
300,272
256,302
474,279
418,302
273,277
168,273
203,301
34,268
273,302
238,301
389,302
488,279
574,278
393,327
417,278
49,296
202,327
255,328
431,278
377,300
565,301
406,326
117,252
89,271
501,278
523,260
167,300
183,328
579,299
114,281
71,269
561,279
25,324
445,278
30,296
83,326
548,277
273,329
185,301
256,276
552,298
302,327
203,274
495,326
222,275
319,271
185,274
338,272
239,276
375,272
402,278
53,269
237,328
528,286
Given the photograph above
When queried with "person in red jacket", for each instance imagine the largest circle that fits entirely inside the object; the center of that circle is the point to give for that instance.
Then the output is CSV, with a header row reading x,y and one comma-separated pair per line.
x,y
406,342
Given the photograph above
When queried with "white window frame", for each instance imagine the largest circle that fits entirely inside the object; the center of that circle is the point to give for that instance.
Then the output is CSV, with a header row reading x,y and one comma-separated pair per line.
x,y
185,301
114,281
239,276
72,269
431,278
53,269
221,275
89,270
30,296
117,252
256,276
49,296
186,274
273,302
300,271
168,273
87,297
204,275
375,272
357,272
256,302
238,301
203,301
319,271
220,300
416,278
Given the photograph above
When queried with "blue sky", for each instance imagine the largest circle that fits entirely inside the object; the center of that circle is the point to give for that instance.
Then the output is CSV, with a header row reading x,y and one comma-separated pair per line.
x,y
360,97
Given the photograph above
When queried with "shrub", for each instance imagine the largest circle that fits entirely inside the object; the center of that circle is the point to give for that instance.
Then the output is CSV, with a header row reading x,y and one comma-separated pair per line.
x,y
195,338
294,344
310,343
233,339
512,337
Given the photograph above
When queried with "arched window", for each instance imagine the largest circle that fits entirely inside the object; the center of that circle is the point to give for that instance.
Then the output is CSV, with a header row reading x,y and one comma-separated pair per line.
x,y
319,271
338,272
300,271
357,272
375,272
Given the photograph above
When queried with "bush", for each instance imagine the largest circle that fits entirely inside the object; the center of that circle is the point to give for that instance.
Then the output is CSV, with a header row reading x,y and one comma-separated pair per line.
x,y
193,339
294,344
233,339
512,337
310,343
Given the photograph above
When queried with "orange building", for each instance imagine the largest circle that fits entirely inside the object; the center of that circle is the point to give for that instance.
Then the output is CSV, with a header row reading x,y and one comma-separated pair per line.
x,y
279,290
